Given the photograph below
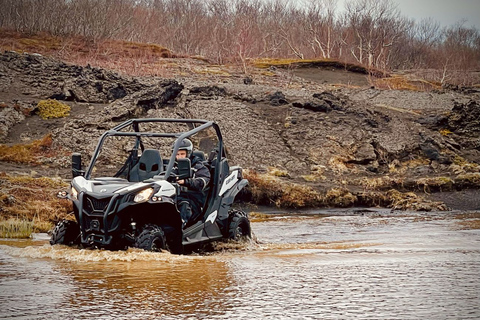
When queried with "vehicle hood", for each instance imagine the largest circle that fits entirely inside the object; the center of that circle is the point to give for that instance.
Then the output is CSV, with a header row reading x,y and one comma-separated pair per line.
x,y
105,185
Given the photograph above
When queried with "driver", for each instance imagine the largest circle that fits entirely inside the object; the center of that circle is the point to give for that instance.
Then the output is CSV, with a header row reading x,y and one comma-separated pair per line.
x,y
191,200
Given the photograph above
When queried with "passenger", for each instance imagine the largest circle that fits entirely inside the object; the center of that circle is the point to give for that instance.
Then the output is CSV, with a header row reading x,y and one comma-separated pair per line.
x,y
190,201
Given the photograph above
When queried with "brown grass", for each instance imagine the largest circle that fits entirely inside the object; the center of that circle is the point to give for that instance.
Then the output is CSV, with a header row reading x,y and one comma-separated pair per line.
x,y
28,198
268,189
32,153
400,82
435,183
21,228
399,201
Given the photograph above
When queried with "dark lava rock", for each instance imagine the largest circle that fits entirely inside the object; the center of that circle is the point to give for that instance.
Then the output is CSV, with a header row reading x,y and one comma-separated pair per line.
x,y
465,118
314,106
209,91
277,99
331,100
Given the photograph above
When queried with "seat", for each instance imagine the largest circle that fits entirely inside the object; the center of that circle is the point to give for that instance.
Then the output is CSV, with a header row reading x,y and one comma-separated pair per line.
x,y
199,154
149,165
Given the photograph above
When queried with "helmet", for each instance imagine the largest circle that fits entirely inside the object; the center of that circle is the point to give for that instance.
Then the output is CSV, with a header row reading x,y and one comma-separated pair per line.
x,y
186,145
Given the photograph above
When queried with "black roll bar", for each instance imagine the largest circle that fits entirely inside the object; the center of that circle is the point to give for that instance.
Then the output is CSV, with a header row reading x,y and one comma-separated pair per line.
x,y
203,124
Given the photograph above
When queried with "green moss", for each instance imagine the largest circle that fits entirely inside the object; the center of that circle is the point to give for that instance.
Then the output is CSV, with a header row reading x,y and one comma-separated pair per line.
x,y
50,108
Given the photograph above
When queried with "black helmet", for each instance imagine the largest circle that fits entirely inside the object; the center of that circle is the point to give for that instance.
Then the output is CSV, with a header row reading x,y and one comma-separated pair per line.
x,y
186,145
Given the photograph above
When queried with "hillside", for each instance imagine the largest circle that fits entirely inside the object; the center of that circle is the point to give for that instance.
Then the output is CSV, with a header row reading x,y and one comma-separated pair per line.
x,y
324,130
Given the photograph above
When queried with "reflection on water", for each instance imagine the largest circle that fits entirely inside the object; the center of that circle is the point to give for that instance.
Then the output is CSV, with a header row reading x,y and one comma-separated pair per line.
x,y
304,266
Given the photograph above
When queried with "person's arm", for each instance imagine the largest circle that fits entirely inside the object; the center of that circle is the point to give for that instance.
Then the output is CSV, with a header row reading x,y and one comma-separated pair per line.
x,y
200,179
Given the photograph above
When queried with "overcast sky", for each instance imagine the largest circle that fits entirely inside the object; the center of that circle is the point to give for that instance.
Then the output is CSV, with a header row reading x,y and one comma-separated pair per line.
x,y
446,12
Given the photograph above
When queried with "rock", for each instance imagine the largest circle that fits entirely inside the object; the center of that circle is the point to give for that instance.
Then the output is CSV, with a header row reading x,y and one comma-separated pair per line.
x,y
277,99
209,91
465,118
247,80
365,154
314,106
331,100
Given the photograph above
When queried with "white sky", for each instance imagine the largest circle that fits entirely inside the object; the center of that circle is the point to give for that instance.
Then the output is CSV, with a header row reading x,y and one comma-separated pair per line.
x,y
446,12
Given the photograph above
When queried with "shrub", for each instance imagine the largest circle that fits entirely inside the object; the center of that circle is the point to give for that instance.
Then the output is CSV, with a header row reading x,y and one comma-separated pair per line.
x,y
50,108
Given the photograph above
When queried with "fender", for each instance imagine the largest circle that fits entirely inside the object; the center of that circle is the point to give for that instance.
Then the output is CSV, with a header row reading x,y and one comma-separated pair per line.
x,y
232,192
229,197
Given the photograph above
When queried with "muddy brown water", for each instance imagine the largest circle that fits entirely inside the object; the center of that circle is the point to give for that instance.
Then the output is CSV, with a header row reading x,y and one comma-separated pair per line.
x,y
311,265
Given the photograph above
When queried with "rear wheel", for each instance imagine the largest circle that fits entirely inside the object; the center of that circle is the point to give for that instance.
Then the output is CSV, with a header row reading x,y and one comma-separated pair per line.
x,y
65,232
239,227
151,238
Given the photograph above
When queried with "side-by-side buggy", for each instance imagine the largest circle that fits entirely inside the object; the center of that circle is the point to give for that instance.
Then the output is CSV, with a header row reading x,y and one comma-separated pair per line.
x,y
127,196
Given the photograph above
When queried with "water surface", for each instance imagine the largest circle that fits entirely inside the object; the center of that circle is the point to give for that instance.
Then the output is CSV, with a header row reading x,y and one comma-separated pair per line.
x,y
311,265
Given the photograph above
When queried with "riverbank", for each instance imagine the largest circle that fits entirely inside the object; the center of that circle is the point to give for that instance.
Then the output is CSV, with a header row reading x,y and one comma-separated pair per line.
x,y
306,136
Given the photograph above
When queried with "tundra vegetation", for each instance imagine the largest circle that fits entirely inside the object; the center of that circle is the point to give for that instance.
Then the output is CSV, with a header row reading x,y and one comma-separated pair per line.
x,y
252,38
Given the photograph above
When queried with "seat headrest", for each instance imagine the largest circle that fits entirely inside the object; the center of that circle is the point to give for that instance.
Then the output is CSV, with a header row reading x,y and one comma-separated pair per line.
x,y
199,154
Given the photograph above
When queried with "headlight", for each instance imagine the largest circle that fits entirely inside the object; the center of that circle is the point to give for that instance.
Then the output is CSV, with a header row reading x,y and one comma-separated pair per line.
x,y
143,195
74,193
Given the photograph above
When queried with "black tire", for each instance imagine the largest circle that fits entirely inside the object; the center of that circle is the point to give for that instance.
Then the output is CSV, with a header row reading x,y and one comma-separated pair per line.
x,y
239,227
66,232
152,238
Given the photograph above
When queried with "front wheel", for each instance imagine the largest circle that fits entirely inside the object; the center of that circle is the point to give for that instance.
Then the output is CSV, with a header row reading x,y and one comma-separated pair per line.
x,y
151,238
239,227
66,232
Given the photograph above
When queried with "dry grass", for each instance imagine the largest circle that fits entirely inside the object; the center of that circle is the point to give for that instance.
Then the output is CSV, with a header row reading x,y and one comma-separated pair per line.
x,y
399,82
399,201
462,166
30,204
340,197
277,172
470,179
317,174
267,189
21,228
384,182
339,164
31,153
435,183
411,201
445,132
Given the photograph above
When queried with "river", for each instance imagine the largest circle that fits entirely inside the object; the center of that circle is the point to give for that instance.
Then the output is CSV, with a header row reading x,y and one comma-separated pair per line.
x,y
328,264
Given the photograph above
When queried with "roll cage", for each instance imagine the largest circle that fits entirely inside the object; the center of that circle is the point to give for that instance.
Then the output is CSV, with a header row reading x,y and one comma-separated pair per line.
x,y
197,124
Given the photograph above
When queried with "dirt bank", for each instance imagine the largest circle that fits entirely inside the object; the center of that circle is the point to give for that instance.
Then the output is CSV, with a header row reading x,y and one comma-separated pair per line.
x,y
311,124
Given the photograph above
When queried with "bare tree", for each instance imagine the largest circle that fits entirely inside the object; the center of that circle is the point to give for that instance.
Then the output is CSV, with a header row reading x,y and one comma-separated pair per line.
x,y
320,25
375,26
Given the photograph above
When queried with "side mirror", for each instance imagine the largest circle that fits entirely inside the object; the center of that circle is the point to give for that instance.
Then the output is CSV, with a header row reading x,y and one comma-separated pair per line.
x,y
184,168
77,165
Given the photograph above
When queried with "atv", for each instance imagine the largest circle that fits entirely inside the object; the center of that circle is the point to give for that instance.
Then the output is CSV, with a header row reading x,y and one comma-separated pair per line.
x,y
127,196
